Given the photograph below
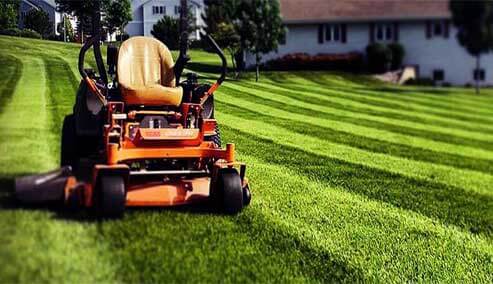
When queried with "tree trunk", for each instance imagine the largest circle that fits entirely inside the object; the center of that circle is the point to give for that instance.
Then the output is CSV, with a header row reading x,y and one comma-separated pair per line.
x,y
477,73
257,67
235,72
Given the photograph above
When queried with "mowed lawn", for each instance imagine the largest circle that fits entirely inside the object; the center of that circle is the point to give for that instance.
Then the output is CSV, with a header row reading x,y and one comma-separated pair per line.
x,y
352,180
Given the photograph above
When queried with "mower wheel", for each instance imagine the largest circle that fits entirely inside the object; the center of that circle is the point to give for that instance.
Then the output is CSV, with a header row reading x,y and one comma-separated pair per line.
x,y
112,197
68,148
216,138
229,190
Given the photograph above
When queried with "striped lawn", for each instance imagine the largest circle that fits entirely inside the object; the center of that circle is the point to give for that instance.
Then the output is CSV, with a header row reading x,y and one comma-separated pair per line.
x,y
353,181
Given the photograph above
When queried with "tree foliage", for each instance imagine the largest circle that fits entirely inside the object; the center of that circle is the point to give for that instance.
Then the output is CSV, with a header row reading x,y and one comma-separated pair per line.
x,y
228,38
167,31
117,13
260,26
9,14
474,21
39,21
68,30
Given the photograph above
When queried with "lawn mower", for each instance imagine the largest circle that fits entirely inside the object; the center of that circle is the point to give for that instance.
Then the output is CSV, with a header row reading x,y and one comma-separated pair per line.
x,y
139,136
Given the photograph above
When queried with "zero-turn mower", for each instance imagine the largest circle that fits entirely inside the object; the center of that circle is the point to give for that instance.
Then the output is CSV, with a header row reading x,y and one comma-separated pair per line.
x,y
140,136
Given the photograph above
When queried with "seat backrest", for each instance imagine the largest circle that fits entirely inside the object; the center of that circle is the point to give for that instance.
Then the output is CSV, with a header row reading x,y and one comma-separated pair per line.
x,y
145,61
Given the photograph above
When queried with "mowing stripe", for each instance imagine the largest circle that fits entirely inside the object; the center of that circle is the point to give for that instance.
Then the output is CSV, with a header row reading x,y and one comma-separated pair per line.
x,y
424,94
451,205
356,108
373,133
37,245
355,230
465,179
10,74
336,115
359,141
393,102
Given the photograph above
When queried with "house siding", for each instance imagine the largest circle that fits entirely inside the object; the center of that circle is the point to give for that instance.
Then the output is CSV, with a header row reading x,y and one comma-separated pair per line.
x,y
144,19
435,53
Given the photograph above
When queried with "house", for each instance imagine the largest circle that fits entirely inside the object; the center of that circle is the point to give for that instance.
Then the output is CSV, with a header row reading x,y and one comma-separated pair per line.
x,y
49,6
423,27
146,13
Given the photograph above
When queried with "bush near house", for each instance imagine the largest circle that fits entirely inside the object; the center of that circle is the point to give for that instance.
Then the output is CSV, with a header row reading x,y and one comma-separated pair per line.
x,y
21,33
302,61
398,53
384,57
39,21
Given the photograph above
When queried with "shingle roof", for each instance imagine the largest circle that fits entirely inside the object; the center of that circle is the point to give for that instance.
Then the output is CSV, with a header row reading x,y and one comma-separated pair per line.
x,y
361,10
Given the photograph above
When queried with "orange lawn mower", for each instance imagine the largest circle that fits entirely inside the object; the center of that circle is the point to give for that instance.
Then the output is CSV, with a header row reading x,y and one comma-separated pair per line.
x,y
141,137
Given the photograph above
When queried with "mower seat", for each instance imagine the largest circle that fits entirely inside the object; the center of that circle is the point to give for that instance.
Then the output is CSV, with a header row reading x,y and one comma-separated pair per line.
x,y
145,73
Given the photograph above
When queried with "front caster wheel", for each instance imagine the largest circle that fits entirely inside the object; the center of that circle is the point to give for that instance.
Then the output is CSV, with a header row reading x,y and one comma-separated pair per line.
x,y
111,197
229,190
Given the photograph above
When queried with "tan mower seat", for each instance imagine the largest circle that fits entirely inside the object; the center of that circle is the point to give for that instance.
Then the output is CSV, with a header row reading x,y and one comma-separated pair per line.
x,y
145,73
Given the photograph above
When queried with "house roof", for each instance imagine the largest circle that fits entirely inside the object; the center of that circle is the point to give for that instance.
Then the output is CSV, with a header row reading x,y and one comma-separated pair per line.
x,y
315,11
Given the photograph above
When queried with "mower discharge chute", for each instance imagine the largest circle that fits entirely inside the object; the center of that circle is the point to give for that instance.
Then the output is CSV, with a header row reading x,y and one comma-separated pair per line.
x,y
144,139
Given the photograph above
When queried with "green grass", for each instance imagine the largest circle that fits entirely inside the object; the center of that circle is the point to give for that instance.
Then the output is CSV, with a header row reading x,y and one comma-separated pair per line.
x,y
352,180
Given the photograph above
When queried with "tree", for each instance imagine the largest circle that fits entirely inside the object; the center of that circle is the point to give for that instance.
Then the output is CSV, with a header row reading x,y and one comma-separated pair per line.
x,y
474,21
9,14
227,38
65,29
167,30
217,12
117,14
39,21
260,25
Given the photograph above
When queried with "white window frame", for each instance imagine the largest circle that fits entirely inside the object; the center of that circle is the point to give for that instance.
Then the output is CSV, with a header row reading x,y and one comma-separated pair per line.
x,y
384,29
333,30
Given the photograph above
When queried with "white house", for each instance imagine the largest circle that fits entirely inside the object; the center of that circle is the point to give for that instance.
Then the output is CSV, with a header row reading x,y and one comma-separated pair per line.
x,y
423,27
146,13
48,6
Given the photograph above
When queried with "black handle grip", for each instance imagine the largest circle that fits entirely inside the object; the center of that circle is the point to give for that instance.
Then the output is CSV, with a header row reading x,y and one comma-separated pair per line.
x,y
219,52
82,55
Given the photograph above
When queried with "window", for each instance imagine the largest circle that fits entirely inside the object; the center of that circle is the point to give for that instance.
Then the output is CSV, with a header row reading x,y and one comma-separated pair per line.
x,y
158,10
384,32
335,33
479,74
438,75
437,29
177,10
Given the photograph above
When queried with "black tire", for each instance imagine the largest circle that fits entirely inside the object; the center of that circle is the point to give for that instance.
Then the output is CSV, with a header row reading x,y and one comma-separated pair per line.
x,y
111,197
229,191
216,138
68,155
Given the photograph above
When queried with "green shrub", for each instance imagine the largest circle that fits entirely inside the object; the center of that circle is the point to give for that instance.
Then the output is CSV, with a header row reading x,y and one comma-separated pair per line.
x,y
379,58
11,32
30,34
398,53
420,82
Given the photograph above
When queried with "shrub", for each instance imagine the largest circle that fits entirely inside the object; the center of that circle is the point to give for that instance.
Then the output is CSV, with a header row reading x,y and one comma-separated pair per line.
x,y
166,30
39,21
379,58
398,53
122,37
301,61
30,34
420,82
11,32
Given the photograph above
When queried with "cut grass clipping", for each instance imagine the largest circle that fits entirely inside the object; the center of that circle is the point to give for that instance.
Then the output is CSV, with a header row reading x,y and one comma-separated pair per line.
x,y
353,180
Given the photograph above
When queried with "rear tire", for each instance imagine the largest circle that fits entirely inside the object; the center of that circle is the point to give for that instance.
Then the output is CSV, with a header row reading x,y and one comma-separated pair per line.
x,y
229,190
111,197
216,138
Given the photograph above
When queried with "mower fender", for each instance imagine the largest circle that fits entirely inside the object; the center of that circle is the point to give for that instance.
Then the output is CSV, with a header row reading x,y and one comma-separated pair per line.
x,y
44,188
